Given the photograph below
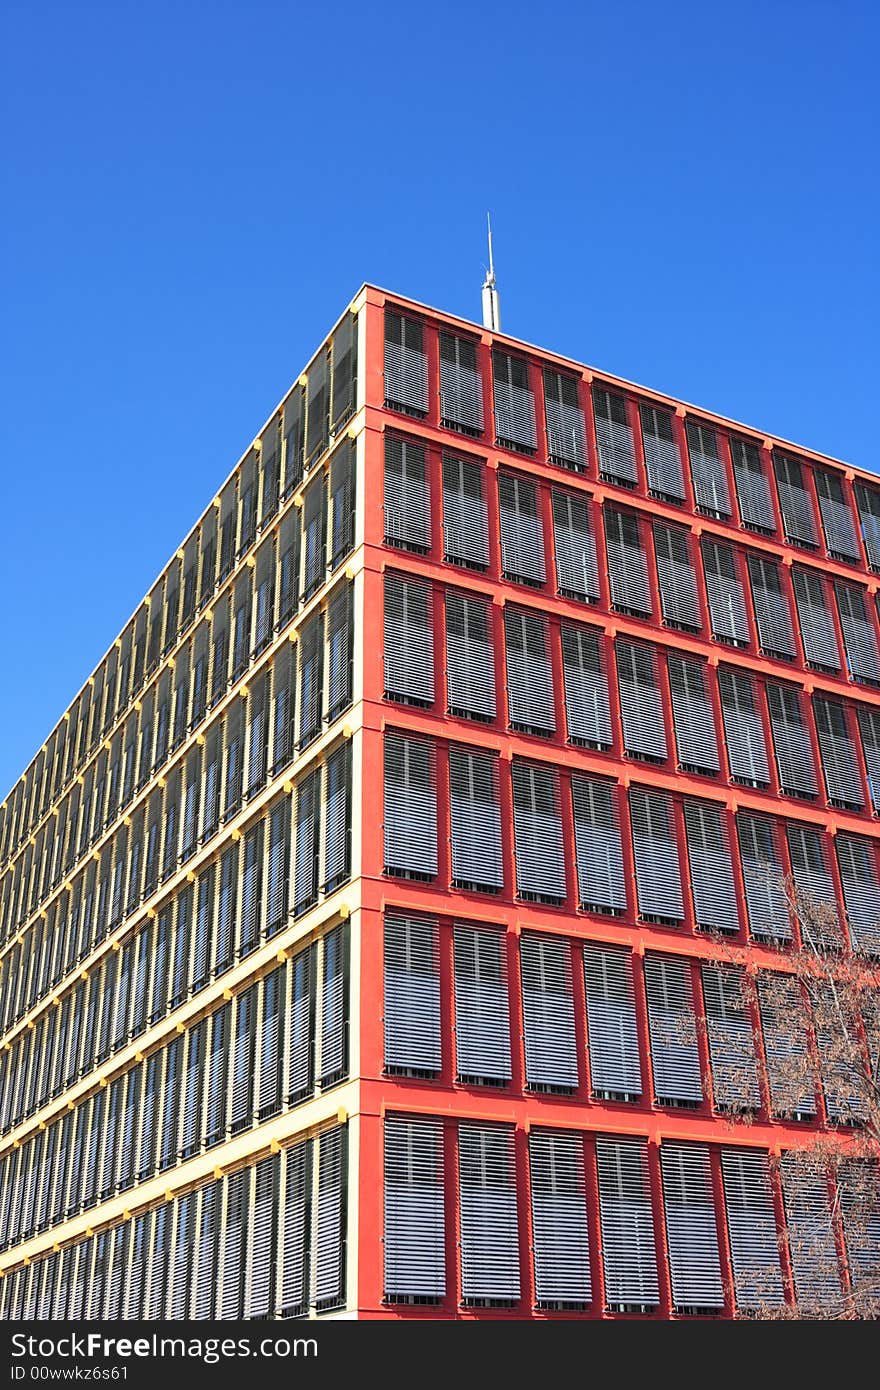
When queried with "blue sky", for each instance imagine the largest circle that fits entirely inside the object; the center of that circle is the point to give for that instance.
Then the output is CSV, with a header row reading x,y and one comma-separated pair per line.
x,y
684,194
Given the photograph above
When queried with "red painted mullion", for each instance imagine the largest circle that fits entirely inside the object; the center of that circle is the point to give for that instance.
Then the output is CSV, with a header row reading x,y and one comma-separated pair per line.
x,y
444,834
728,813
808,474
545,518
434,476
701,1029
679,431
536,384
640,1001
453,1215
676,805
720,1205
517,1023
553,634
782,1228
508,839
524,1224
664,1276
484,367
726,457
586,392
594,1232
759,690
579,1001
766,452
438,633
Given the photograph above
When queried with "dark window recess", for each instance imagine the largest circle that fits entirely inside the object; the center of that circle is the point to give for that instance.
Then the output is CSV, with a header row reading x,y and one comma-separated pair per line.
x,y
407,506
305,876
311,680
406,365
461,389
314,535
340,637
614,440
662,455
514,403
337,818
317,407
342,503
294,440
708,473
566,435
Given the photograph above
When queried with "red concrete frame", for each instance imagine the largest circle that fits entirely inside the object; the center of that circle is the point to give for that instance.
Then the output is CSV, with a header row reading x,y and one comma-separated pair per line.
x,y
443,1097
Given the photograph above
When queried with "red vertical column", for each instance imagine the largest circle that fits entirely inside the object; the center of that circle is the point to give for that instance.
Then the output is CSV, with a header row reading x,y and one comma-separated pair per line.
x,y
655,1183
447,1004
725,1260
679,431
524,1208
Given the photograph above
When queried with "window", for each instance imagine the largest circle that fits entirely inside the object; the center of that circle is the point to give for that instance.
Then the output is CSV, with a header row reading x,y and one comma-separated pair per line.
x,y
414,1228
751,1230
868,503
487,1202
410,807
334,1008
278,867
818,915
530,703
470,659
288,567
614,441
772,612
838,753
752,488
566,437
406,366
811,1240
407,497
514,403
791,742
548,1014
861,891
727,606
560,1237
270,483
260,1260
342,503
296,1221
577,573
615,1068
482,1009
743,729
409,641
679,602
675,1058
815,622
522,541
709,476
311,679
337,818
869,728
251,889
626,1217
465,522
305,874
711,869
784,1025
601,879
798,521
658,875
731,1039
641,706
540,858
340,637
299,1041
294,440
763,874
662,456
283,707
343,348
475,821
314,538
328,1270
587,711
859,637
693,717
317,407
627,564
837,519
242,1097
691,1232
461,390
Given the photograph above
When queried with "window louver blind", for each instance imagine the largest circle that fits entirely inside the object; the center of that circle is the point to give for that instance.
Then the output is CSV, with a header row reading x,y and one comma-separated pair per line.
x,y
412,995
798,521
860,1210
841,1087
288,567
791,742
514,403
869,728
675,1058
752,488
762,869
587,711
337,814
856,858
577,573
641,707
540,858
711,868
407,496
241,1110
488,1214
311,679
655,850
415,1255
566,436
868,503
344,346
814,884
410,807
297,1219
328,1272
693,718
751,1230
475,821
314,535
783,1024
317,407
615,1068
711,493
731,1039
627,563
837,519
743,729
300,1019
409,641
614,441
662,456
334,1008
294,440
772,612
530,703
305,873
691,1232
727,606
340,637
283,707
465,521
629,1256
859,637
470,658
838,753
601,878
560,1237
482,1010
811,1241
461,389
679,602
815,621
260,1263
548,1014
522,541
406,366
343,482
270,483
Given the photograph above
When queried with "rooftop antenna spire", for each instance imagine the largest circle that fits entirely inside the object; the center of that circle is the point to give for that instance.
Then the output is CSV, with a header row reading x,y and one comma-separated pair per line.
x,y
491,304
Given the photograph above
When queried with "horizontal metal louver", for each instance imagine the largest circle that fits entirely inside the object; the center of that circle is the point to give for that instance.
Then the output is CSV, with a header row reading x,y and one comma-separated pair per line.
x,y
409,640
791,741
859,637
752,487
530,702
600,872
815,621
743,729
465,520
340,641
482,1006
655,851
461,389
811,1243
615,1068
817,900
522,540
407,503
560,1235
475,820
662,455
334,1007
406,365
731,1039
412,994
857,860
548,1014
842,1083
514,402
470,657
410,807
328,1268
709,476
869,728
675,1057
691,1231
629,1257
751,1230
566,435
414,1240
837,750
786,1050
614,440
728,618
692,715
763,878
577,573
711,869
679,602
868,503
587,709
627,563
772,611
859,1194
537,821
337,818
798,521
641,705
488,1215
317,406
837,519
